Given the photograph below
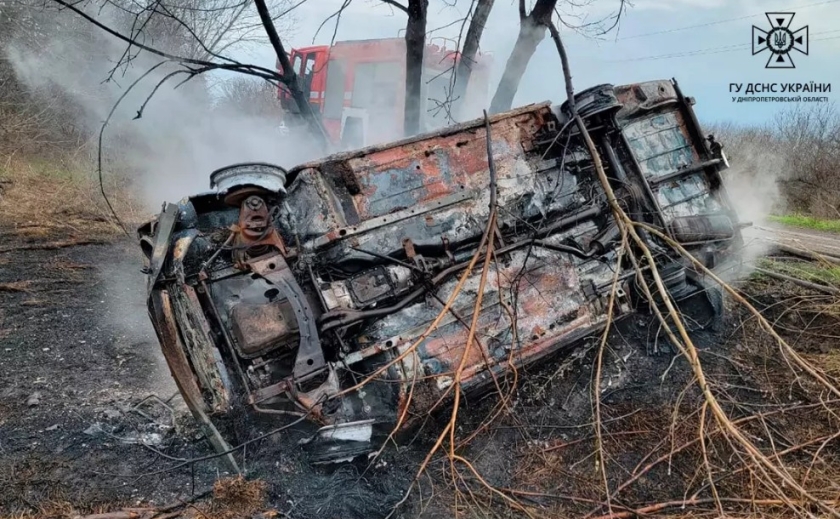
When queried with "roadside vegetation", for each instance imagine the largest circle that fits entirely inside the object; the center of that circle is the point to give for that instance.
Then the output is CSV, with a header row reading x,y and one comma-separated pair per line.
x,y
48,200
807,222
787,166
52,175
827,274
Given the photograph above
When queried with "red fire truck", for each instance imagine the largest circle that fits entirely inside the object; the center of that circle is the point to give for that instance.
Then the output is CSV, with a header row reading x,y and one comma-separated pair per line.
x,y
358,87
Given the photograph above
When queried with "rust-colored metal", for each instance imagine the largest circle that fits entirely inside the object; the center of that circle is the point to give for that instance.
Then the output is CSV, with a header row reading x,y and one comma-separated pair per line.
x,y
255,232
173,350
384,234
258,327
310,356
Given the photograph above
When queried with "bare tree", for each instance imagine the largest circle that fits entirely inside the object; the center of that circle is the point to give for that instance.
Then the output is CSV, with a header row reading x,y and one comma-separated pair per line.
x,y
532,28
415,45
810,139
242,95
789,162
40,119
289,77
469,52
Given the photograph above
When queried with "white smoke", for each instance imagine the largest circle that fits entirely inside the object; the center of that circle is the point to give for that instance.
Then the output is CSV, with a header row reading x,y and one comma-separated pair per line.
x,y
181,137
757,163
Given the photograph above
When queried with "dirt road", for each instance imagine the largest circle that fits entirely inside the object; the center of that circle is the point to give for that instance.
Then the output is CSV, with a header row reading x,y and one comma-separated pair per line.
x,y
766,234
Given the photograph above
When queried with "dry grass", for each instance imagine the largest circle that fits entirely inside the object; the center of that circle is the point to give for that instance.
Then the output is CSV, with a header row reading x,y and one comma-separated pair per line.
x,y
827,274
232,498
67,265
235,497
43,201
35,302
50,510
830,362
16,286
61,509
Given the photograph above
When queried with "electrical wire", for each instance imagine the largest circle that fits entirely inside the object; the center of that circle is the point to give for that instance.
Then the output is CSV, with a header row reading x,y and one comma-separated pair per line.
x,y
717,22
711,50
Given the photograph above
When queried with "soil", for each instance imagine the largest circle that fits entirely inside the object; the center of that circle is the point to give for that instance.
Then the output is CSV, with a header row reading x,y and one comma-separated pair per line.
x,y
79,359
90,415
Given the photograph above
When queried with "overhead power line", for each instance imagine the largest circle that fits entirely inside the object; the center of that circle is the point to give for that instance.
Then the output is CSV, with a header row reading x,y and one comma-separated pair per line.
x,y
712,50
718,22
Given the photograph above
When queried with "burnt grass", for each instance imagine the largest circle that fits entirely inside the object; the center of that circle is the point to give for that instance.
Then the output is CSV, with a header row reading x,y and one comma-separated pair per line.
x,y
78,354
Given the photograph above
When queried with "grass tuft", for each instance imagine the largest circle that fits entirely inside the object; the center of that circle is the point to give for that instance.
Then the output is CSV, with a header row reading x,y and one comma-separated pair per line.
x,y
807,222
237,497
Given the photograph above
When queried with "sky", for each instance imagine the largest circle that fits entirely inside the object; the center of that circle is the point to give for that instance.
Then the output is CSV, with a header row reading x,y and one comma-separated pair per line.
x,y
704,44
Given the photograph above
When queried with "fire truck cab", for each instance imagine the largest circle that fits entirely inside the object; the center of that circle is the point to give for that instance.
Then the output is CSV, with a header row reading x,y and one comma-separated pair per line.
x,y
358,87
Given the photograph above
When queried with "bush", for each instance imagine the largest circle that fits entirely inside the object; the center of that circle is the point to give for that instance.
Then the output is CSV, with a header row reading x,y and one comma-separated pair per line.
x,y
792,161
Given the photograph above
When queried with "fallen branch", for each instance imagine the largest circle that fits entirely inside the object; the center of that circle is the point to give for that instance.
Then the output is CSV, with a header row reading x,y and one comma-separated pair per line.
x,y
163,512
763,464
806,254
801,282
15,286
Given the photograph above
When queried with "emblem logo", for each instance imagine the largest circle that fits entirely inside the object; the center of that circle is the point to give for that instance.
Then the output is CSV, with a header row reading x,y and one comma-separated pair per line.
x,y
780,40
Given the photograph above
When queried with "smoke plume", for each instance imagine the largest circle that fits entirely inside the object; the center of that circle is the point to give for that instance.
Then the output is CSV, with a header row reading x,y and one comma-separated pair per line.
x,y
167,150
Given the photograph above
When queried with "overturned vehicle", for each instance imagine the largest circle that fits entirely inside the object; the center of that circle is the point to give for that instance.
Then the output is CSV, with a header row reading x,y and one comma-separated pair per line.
x,y
318,291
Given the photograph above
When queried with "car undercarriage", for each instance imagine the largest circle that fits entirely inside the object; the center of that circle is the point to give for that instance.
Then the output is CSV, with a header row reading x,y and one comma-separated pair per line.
x,y
324,291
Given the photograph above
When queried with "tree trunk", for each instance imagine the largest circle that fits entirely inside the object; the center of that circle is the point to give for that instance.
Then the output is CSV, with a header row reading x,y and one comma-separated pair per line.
x,y
290,79
469,52
415,45
567,71
530,35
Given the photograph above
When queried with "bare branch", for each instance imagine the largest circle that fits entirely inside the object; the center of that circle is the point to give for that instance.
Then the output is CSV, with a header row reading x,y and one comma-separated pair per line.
x,y
394,3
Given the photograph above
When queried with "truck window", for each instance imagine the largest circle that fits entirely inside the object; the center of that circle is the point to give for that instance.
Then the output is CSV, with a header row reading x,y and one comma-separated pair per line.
x,y
310,64
334,95
308,74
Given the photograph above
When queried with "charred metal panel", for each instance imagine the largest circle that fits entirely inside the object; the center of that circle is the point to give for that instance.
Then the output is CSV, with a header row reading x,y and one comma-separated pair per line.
x,y
261,327
205,356
641,98
549,305
163,318
659,144
421,183
659,126
260,319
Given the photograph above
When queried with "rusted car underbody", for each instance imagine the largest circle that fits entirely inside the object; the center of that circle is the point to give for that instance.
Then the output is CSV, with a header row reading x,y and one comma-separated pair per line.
x,y
281,291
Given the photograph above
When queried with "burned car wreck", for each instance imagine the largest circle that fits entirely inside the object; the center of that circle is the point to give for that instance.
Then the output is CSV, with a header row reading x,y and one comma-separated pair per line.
x,y
282,291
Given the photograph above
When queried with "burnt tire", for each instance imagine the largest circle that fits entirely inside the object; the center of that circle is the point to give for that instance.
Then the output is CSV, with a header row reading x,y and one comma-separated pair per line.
x,y
676,283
